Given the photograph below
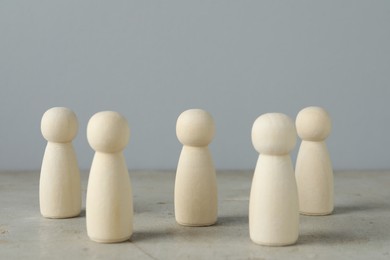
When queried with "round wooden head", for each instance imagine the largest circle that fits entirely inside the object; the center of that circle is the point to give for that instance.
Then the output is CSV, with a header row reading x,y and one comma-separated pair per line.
x,y
195,127
313,124
108,132
274,134
59,124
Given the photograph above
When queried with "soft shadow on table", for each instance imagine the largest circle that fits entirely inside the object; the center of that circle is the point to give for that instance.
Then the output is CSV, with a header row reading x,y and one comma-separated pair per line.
x,y
232,220
329,238
140,236
367,207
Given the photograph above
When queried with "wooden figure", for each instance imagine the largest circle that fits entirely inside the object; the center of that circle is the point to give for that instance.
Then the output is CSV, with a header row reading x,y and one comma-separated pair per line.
x,y
195,186
109,209
59,185
273,204
313,170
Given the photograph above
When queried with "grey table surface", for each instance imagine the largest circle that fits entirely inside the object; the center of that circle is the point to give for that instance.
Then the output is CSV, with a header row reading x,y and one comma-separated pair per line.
x,y
358,229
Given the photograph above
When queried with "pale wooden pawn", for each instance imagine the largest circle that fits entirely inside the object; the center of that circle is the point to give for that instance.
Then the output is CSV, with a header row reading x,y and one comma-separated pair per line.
x,y
273,204
59,184
314,173
195,186
109,206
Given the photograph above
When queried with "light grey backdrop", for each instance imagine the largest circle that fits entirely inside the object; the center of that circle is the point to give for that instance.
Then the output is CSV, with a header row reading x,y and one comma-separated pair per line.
x,y
150,60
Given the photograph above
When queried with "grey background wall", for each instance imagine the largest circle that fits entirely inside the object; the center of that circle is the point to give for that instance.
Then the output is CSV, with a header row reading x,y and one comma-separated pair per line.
x,y
150,60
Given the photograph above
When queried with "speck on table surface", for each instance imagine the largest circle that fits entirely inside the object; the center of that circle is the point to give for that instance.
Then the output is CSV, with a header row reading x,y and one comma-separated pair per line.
x,y
358,229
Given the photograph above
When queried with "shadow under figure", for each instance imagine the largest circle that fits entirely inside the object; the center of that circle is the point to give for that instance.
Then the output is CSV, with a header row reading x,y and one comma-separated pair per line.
x,y
232,221
150,235
330,238
369,206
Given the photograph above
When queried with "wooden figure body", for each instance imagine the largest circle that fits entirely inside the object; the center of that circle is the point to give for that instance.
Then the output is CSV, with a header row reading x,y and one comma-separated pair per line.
x,y
273,204
313,170
59,184
196,202
109,208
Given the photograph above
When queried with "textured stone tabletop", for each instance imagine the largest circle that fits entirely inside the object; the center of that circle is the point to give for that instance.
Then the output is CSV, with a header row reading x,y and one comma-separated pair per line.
x,y
358,229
